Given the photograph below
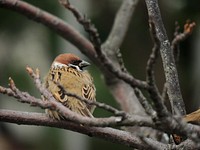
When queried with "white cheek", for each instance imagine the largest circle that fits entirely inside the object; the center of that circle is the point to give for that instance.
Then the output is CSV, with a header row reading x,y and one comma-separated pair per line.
x,y
74,66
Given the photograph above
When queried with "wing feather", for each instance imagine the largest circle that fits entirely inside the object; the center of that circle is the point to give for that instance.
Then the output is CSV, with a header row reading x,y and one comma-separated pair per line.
x,y
88,92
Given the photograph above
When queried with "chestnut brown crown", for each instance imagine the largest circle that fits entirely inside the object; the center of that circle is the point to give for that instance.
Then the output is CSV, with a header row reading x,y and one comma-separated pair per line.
x,y
70,60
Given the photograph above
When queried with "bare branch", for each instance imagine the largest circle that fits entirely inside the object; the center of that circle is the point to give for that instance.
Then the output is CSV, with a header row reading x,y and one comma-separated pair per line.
x,y
179,37
111,121
153,56
120,26
88,26
171,74
153,90
94,36
24,97
119,29
148,108
59,26
69,115
109,134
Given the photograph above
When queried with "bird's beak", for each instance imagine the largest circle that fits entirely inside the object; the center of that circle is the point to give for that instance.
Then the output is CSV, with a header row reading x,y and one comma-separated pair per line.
x,y
83,64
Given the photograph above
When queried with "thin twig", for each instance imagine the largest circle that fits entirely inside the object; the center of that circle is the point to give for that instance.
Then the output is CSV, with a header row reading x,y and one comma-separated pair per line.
x,y
24,97
153,56
181,36
147,106
88,26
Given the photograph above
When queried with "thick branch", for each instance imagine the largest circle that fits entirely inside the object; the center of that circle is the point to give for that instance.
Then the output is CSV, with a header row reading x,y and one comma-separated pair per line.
x,y
113,135
109,134
122,91
171,74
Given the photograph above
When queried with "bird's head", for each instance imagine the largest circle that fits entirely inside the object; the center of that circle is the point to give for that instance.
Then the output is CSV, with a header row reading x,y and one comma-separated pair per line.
x,y
70,60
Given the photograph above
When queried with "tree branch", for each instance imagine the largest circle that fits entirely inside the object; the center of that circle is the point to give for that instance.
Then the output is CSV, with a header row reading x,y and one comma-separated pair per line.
x,y
109,134
170,70
109,64
59,26
52,104
181,36
120,26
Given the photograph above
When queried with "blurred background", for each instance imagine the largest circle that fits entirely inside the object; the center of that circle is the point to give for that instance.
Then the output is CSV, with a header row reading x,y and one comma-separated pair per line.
x,y
24,42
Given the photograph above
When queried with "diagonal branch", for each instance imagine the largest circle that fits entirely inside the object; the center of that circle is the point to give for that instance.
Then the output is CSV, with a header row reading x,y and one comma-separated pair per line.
x,y
59,26
86,23
94,37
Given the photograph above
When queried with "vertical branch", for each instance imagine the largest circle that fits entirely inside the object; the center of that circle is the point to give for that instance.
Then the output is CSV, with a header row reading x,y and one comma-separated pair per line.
x,y
169,66
178,37
153,56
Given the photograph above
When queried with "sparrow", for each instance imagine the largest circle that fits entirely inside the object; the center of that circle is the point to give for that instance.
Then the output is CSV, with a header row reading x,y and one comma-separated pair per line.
x,y
67,71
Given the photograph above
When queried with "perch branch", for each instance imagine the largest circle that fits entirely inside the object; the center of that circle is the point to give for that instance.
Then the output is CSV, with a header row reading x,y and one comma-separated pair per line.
x,y
110,134
111,121
52,104
69,115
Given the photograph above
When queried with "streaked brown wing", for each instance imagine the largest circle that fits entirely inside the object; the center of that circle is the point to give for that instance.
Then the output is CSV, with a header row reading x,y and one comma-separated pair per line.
x,y
89,93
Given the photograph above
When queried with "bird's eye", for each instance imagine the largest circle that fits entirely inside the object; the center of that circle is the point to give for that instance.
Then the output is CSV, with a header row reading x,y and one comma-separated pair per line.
x,y
76,62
